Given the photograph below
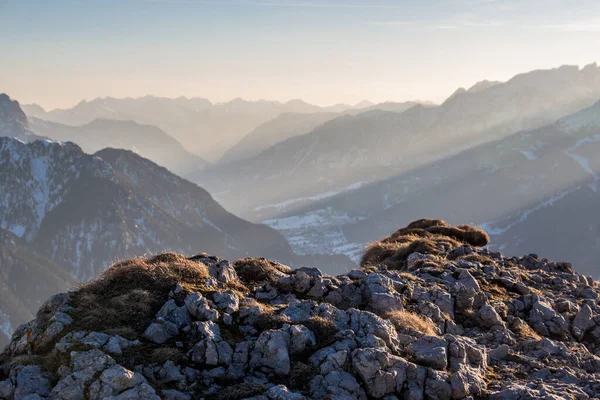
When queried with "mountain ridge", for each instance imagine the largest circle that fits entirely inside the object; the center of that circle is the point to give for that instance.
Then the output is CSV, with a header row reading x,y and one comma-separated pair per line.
x,y
149,141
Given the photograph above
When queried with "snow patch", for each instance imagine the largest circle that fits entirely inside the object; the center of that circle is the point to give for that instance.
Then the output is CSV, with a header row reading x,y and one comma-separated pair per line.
x,y
5,325
582,161
321,196
318,232
17,230
530,155
494,230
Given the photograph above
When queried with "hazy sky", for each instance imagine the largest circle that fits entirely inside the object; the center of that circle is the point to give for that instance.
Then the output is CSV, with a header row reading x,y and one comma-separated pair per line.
x,y
56,53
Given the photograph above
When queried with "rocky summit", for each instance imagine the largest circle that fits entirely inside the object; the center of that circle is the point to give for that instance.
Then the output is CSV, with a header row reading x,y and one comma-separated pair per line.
x,y
432,314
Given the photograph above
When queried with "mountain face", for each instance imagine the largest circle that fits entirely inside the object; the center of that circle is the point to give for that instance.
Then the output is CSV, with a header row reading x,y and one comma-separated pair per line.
x,y
430,315
289,125
534,191
20,295
13,121
203,128
352,151
148,141
272,132
82,211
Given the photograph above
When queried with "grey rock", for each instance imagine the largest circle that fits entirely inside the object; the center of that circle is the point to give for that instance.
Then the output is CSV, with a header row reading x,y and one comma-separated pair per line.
x,y
31,380
161,332
115,381
489,317
7,389
226,301
94,359
430,351
582,322
271,352
200,307
301,338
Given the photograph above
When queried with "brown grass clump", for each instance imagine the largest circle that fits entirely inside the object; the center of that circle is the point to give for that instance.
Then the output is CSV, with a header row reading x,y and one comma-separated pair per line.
x,y
250,302
161,355
271,320
427,236
395,253
12,362
408,322
497,292
323,328
301,374
408,276
463,233
260,269
474,257
128,294
523,330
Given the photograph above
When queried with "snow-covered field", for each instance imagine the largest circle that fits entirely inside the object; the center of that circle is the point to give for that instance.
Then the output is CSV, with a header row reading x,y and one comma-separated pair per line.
x,y
318,232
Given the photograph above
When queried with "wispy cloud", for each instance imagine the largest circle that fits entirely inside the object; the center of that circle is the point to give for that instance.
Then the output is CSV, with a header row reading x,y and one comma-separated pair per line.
x,y
592,25
447,24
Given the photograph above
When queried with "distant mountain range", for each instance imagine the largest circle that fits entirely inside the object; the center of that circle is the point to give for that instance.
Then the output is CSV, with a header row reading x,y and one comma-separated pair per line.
x,y
352,151
203,128
289,125
147,141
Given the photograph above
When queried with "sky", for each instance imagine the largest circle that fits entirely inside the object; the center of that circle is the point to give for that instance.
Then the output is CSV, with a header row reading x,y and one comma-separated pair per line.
x,y
56,53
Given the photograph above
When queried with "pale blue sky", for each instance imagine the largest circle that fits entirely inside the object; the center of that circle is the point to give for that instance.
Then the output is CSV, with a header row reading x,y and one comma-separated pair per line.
x,y
56,53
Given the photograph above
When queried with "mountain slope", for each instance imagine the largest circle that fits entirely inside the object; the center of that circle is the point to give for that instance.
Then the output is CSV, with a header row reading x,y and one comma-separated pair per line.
x,y
20,295
354,150
13,122
289,125
430,315
203,128
533,191
148,141
83,210
272,132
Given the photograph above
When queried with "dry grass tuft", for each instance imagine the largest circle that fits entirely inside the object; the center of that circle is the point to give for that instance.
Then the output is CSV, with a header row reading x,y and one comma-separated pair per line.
x,y
301,374
323,328
271,320
394,254
25,359
408,276
427,236
474,257
128,294
250,302
523,330
161,355
408,322
260,269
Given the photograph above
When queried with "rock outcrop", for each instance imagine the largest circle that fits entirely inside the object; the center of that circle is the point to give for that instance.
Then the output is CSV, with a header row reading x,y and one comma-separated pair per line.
x,y
428,316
